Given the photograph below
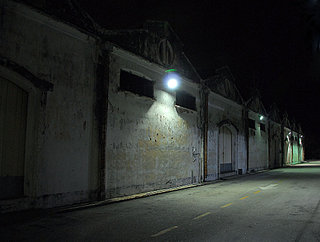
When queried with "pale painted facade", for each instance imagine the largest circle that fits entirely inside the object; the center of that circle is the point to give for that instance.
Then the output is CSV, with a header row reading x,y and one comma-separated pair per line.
x,y
53,65
258,155
226,130
151,142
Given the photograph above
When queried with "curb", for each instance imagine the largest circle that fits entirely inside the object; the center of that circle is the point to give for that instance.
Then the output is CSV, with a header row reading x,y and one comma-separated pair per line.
x,y
131,197
148,194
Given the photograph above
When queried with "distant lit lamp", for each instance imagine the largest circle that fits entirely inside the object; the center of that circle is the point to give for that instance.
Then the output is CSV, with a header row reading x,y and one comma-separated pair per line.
x,y
261,117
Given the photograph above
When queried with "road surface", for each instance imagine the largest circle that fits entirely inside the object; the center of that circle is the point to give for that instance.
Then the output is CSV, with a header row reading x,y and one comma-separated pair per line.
x,y
277,205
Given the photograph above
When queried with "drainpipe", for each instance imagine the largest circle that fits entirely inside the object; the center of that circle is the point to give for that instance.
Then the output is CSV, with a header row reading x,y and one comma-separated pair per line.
x,y
205,138
282,144
269,145
101,113
246,127
204,128
292,143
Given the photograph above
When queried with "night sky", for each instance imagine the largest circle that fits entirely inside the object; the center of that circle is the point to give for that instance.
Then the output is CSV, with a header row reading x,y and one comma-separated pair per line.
x,y
268,45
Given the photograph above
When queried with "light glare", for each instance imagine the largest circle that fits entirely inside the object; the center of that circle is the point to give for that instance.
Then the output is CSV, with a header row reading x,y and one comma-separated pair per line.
x,y
172,83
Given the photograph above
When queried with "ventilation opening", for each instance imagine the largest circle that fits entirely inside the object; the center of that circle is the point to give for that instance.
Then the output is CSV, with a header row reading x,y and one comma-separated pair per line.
x,y
252,124
136,84
185,100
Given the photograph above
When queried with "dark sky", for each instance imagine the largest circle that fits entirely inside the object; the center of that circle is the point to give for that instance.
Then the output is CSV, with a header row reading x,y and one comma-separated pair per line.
x,y
267,45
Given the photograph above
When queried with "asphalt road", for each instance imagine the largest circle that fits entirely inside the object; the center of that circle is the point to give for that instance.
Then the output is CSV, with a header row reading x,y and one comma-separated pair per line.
x,y
278,205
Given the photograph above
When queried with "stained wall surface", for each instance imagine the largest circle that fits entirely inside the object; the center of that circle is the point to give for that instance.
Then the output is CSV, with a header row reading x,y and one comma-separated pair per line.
x,y
295,147
60,163
258,143
225,113
275,150
151,142
288,152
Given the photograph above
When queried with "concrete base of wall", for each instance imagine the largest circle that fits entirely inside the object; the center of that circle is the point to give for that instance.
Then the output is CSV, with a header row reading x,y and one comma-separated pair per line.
x,y
47,201
135,189
233,173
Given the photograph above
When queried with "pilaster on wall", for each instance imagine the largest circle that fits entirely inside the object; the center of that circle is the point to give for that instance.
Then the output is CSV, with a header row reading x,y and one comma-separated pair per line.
x,y
246,128
101,113
204,92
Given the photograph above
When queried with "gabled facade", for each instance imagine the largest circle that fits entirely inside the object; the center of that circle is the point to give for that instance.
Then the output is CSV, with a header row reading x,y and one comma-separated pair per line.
x,y
153,137
257,123
226,129
275,137
158,43
293,142
288,141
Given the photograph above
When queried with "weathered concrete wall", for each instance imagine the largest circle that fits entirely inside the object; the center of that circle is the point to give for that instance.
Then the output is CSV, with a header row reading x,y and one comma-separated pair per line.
x,y
275,144
63,165
149,141
258,143
224,112
301,148
295,147
287,146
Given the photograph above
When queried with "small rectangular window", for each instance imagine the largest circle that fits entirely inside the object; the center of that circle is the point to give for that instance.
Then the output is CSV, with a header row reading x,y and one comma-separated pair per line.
x,y
185,100
136,84
263,127
252,124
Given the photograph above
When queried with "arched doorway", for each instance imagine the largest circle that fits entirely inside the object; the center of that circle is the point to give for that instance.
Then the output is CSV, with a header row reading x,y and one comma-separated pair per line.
x,y
226,163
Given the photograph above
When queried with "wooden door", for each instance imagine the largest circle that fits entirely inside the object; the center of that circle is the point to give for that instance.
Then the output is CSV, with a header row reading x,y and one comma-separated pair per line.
x,y
13,121
225,150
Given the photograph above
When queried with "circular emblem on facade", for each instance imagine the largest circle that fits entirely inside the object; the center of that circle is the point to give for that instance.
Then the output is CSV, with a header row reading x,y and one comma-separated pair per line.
x,y
165,52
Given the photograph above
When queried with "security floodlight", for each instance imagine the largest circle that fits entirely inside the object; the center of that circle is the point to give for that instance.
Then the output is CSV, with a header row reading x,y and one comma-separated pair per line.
x,y
172,79
172,83
261,117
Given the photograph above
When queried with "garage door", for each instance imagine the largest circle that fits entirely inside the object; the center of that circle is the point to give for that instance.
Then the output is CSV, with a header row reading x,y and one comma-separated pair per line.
x,y
225,150
13,120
